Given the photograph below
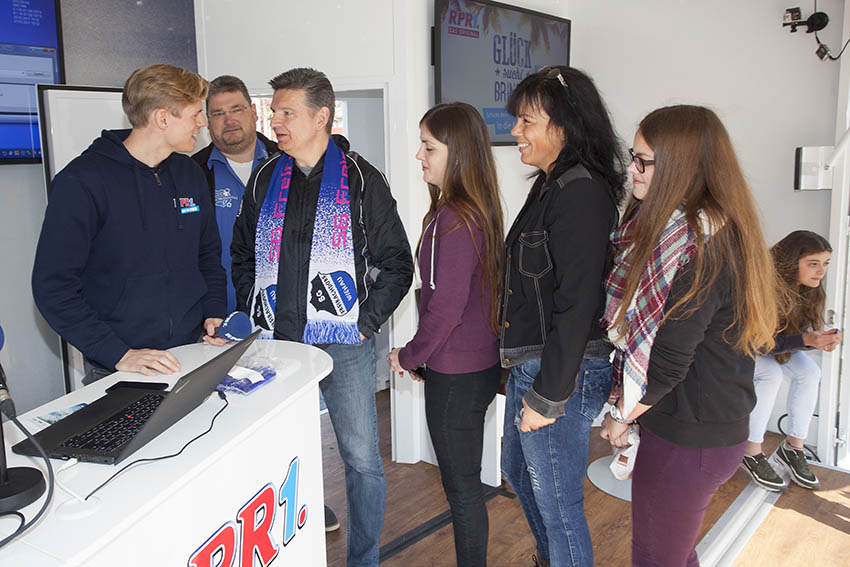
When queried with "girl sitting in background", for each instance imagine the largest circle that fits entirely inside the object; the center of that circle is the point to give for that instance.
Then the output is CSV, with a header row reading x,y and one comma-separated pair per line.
x,y
801,259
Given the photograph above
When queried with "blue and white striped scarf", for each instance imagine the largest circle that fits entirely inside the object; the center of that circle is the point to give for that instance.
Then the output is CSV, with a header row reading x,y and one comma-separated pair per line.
x,y
332,306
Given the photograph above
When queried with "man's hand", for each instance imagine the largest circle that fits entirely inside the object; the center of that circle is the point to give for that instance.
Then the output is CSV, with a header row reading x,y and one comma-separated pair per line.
x,y
149,362
531,420
211,325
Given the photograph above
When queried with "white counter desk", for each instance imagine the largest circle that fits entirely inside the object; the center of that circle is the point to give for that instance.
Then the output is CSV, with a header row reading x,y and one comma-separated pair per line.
x,y
252,487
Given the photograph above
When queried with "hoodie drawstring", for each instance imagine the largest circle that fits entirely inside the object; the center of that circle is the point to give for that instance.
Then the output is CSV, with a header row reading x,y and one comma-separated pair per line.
x,y
177,206
433,239
138,175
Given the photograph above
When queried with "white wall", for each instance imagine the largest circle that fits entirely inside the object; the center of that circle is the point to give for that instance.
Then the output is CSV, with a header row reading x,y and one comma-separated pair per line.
x,y
30,356
764,82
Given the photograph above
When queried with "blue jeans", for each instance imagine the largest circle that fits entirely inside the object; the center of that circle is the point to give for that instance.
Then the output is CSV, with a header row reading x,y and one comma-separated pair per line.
x,y
349,392
546,467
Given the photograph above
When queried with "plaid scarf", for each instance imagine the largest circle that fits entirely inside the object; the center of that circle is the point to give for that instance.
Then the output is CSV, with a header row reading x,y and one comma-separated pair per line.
x,y
675,248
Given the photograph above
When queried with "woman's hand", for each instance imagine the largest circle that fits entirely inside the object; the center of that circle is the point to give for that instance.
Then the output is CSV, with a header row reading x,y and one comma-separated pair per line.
x,y
616,433
531,420
395,366
823,340
392,360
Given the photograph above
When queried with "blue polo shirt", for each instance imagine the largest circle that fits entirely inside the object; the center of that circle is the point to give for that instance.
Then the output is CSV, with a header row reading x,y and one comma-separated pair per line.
x,y
228,197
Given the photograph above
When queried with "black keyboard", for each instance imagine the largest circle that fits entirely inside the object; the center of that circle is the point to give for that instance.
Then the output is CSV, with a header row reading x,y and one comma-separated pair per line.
x,y
110,434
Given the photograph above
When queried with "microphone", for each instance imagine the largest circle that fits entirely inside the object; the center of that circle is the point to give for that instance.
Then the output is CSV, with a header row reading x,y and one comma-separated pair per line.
x,y
235,327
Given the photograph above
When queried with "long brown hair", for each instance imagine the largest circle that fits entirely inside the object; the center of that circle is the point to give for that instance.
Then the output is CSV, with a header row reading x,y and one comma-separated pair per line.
x,y
470,188
803,306
696,169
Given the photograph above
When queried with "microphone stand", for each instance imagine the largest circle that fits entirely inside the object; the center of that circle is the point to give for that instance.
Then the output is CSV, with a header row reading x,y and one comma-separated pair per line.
x,y
19,486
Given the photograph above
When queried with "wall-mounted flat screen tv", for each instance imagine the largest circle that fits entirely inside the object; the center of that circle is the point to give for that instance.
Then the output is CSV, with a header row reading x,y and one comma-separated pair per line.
x,y
30,53
483,49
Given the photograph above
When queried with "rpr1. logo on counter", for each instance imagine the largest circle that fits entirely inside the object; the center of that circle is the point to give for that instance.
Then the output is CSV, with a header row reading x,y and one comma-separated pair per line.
x,y
254,537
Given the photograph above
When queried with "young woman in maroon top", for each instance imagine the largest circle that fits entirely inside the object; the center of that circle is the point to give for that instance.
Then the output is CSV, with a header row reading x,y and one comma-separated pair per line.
x,y
460,262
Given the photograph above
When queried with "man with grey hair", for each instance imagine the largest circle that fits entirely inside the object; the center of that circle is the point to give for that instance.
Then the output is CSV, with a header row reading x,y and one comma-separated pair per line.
x,y
236,149
320,256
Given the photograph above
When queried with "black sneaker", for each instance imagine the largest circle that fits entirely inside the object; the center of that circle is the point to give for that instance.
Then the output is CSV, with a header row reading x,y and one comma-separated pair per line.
x,y
762,473
795,461
331,523
539,561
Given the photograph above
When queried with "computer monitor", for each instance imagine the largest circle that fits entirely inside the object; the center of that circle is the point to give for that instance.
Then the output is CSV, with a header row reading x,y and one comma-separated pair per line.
x,y
30,53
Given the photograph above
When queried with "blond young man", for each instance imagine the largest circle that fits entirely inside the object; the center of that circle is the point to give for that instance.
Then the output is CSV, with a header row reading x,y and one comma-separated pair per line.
x,y
128,261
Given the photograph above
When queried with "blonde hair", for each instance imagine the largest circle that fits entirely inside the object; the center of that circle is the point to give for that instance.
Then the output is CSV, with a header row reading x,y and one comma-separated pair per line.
x,y
696,168
160,86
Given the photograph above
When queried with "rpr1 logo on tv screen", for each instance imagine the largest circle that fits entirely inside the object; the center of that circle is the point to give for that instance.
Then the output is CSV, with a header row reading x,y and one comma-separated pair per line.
x,y
255,534
486,50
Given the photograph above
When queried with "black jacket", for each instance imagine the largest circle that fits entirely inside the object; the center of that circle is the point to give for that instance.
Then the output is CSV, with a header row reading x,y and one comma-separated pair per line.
x,y
203,156
557,254
383,263
700,388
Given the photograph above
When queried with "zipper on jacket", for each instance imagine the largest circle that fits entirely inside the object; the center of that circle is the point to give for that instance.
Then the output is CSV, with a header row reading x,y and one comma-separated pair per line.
x,y
156,176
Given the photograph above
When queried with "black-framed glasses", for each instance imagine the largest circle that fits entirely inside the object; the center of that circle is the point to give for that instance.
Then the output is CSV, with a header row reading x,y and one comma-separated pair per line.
x,y
640,163
235,111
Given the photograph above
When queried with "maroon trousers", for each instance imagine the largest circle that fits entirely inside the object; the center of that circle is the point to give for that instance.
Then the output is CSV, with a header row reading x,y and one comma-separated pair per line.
x,y
671,489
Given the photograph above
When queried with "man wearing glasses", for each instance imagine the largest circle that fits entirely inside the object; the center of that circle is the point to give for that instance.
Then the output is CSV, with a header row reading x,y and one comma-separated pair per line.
x,y
236,149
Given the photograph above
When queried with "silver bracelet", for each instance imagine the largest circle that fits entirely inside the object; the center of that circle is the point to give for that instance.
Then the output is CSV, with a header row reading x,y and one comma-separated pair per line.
x,y
615,415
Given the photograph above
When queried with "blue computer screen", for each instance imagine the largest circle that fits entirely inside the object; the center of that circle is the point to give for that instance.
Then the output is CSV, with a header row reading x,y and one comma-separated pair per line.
x,y
30,53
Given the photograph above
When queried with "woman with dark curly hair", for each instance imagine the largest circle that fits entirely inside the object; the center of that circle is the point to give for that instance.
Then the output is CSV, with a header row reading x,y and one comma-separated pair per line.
x,y
557,254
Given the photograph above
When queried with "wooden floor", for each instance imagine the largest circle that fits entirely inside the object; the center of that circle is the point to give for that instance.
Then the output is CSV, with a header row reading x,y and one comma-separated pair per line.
x,y
415,495
805,527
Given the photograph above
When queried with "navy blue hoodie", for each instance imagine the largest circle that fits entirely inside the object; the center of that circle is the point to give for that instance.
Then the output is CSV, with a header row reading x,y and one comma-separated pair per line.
x,y
129,256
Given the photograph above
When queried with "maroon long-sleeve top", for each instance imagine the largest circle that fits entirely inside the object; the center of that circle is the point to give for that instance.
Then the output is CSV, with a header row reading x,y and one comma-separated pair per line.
x,y
454,335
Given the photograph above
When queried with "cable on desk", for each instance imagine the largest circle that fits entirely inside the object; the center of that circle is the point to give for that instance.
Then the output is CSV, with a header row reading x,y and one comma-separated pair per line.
x,y
20,516
50,481
152,459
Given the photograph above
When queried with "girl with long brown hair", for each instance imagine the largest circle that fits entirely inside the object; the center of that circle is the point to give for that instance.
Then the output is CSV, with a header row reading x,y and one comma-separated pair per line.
x,y
801,260
460,261
691,302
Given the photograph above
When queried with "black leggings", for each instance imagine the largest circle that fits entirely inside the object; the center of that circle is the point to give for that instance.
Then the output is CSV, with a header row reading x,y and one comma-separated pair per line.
x,y
455,405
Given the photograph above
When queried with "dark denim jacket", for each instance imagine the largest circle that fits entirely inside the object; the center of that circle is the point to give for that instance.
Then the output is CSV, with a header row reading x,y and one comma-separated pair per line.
x,y
556,257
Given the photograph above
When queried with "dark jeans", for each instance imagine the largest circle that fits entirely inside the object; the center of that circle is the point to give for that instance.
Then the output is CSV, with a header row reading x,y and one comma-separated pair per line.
x,y
671,489
455,405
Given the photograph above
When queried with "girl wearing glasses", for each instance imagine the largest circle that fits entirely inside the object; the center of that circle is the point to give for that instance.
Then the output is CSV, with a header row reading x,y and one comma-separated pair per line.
x,y
460,261
557,254
691,301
